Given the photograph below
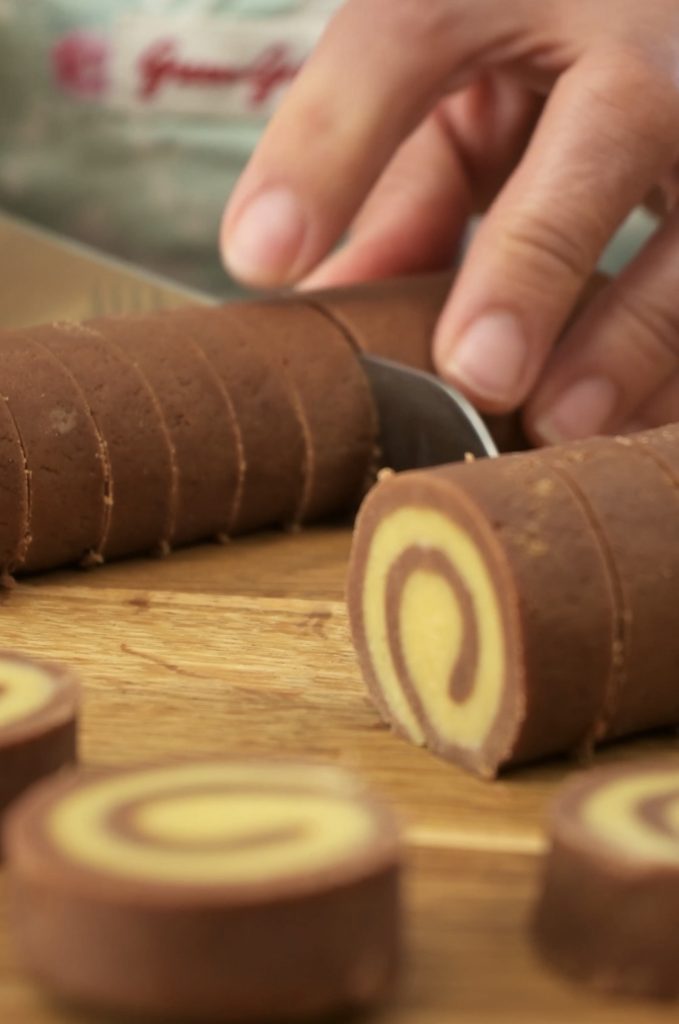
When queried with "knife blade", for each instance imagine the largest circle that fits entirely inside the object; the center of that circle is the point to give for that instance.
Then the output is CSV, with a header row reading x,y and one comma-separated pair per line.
x,y
423,422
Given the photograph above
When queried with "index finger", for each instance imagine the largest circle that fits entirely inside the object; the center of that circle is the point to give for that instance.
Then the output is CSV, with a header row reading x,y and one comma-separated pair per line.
x,y
345,116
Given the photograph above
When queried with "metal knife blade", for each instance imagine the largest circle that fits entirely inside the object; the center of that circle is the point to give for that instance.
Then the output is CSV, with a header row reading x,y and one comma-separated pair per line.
x,y
423,422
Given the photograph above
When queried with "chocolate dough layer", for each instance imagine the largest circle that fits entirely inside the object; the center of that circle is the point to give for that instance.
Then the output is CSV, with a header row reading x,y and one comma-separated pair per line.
x,y
272,448
332,398
127,419
62,451
394,318
197,417
14,525
634,509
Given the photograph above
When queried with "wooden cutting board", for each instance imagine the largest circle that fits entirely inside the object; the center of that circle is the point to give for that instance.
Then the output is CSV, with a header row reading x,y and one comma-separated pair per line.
x,y
245,649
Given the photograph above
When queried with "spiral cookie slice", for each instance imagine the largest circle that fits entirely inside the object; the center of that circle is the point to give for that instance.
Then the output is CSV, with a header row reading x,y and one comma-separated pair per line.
x,y
481,611
608,913
38,723
215,890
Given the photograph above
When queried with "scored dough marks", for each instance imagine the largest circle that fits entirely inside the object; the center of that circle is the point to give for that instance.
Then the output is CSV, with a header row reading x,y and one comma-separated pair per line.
x,y
270,445
644,575
326,393
200,428
126,418
67,488
14,495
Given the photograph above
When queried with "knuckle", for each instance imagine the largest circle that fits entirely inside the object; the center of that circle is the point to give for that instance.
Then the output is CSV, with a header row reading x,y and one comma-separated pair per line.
x,y
638,89
654,326
544,249
411,23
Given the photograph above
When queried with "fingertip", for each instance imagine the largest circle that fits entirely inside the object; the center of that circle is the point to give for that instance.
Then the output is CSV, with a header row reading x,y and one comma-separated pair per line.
x,y
585,408
262,241
488,360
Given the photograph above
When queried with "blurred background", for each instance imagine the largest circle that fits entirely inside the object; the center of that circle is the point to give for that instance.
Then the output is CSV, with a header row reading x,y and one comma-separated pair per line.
x,y
125,123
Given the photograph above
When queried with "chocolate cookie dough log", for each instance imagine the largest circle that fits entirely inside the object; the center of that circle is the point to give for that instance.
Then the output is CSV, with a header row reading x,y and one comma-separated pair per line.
x,y
634,508
481,611
38,723
608,913
270,438
67,490
331,395
199,421
395,318
14,535
661,444
214,891
127,418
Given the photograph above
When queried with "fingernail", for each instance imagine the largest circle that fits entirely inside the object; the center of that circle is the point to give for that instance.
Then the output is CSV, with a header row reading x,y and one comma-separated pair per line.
x,y
266,239
490,358
583,410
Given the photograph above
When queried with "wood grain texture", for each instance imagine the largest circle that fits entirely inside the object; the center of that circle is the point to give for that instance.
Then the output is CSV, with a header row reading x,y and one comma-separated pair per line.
x,y
245,648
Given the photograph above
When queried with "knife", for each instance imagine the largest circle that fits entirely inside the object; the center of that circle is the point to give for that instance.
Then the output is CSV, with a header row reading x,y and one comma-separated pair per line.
x,y
423,422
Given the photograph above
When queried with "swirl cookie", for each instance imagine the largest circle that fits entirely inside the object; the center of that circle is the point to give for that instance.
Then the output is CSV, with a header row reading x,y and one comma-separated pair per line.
x,y
481,611
608,913
216,890
38,723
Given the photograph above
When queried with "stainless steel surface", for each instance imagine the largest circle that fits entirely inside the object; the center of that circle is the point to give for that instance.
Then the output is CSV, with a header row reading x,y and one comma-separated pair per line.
x,y
423,422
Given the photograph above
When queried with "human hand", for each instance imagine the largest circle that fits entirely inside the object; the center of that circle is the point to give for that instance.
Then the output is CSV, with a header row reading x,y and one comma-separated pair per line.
x,y
561,116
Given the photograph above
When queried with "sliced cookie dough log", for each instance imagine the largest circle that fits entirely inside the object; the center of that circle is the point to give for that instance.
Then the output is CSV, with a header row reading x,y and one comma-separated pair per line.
x,y
395,318
240,891
67,485
634,508
197,415
111,329
14,523
128,420
38,723
661,444
331,395
481,611
608,913
270,440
